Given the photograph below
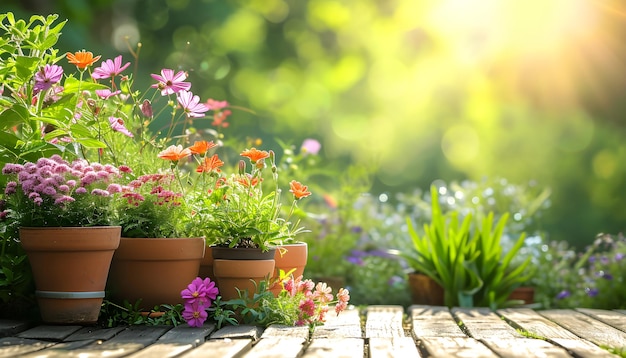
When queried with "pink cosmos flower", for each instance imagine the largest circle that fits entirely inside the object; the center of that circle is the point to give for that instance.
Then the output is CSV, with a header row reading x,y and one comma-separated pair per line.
x,y
214,105
323,292
47,76
191,104
170,83
109,69
117,124
106,93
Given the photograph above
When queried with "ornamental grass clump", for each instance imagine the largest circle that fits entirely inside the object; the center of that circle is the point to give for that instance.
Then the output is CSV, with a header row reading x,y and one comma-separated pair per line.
x,y
54,193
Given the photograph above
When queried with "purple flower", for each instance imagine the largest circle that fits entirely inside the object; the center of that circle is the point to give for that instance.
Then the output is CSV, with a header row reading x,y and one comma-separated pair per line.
x,y
563,294
114,188
619,256
191,104
109,69
64,199
100,192
46,77
170,83
195,314
81,190
310,146
117,124
591,292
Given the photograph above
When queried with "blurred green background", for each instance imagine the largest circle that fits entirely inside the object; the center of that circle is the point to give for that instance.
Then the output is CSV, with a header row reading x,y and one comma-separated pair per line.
x,y
529,90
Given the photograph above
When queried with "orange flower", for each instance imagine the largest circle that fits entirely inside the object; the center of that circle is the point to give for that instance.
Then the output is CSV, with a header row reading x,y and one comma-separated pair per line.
x,y
82,59
299,191
248,180
174,153
255,155
201,147
210,164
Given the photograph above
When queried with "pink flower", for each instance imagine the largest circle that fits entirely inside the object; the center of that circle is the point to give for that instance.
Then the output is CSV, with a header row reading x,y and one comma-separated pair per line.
x,y
191,104
170,83
46,77
214,105
195,314
106,93
109,69
117,124
146,108
323,292
307,306
310,146
343,296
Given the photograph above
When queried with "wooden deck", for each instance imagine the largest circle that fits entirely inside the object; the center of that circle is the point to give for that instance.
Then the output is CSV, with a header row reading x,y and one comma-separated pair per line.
x,y
377,331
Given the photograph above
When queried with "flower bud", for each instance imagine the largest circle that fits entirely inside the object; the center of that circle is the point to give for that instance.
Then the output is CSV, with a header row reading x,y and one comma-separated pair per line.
x,y
242,167
146,108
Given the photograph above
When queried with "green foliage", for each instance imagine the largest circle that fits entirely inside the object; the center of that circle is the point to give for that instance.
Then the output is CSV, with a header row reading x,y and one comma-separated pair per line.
x,y
128,314
467,261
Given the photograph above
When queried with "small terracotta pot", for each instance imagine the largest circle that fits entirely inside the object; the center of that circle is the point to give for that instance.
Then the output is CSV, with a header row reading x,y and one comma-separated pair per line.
x,y
524,293
242,274
290,257
154,270
425,290
70,267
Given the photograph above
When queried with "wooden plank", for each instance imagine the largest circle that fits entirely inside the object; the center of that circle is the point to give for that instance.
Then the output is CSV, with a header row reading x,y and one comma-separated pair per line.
x,y
94,333
433,321
240,331
59,350
384,322
483,324
10,327
392,347
590,329
612,318
187,335
223,348
281,331
345,325
14,346
534,323
277,348
336,348
525,347
49,333
176,341
456,347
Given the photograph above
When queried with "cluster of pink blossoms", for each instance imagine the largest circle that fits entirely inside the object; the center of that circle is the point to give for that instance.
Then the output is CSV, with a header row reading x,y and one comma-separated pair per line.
x,y
157,181
57,179
314,300
198,298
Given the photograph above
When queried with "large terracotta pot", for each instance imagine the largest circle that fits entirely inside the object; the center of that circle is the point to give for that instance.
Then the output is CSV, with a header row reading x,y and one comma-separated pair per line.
x,y
425,290
524,293
240,269
154,270
290,257
70,267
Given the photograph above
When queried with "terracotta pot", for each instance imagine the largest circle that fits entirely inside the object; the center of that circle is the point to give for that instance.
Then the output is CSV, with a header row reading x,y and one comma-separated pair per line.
x,y
425,290
206,264
526,294
70,267
154,270
290,257
243,272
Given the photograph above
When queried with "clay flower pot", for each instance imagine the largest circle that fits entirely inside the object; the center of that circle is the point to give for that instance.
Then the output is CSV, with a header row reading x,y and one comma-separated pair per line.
x,y
206,264
154,270
241,268
70,267
290,257
425,290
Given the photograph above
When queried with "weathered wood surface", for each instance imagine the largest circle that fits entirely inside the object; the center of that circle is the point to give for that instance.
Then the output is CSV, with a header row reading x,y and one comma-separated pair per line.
x,y
372,332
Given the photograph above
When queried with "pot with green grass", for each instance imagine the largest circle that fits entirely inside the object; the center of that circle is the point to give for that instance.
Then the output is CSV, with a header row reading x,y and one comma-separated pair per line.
x,y
464,257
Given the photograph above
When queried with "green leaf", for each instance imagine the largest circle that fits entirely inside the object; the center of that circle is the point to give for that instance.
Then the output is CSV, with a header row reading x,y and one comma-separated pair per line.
x,y
91,143
26,66
13,116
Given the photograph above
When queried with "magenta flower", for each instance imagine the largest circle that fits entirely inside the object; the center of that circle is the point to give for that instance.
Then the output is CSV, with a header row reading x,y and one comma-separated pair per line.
x,y
191,104
170,83
194,314
146,108
46,77
109,69
117,124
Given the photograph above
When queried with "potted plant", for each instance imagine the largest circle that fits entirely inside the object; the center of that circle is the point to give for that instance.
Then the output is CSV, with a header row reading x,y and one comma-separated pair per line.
x,y
64,211
465,258
245,220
